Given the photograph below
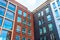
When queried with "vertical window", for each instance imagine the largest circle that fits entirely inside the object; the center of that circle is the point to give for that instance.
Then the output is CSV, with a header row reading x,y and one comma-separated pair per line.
x,y
20,12
39,23
29,24
54,5
23,38
29,17
29,32
2,11
1,21
42,13
24,14
45,38
18,19
58,2
49,18
56,13
52,36
17,37
44,29
47,10
11,7
3,3
29,39
40,31
18,29
39,14
8,24
10,15
41,38
50,27
24,21
5,35
23,30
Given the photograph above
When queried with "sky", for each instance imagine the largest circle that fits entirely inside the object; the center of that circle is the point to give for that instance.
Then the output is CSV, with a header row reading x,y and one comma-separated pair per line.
x,y
31,4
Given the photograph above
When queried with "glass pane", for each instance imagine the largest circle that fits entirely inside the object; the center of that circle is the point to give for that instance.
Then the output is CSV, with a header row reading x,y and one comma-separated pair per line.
x,y
56,13
29,24
29,17
23,38
29,32
23,30
54,5
18,29
5,35
50,27
8,24
39,23
42,13
24,21
10,15
1,21
19,12
2,11
24,14
58,2
3,3
29,39
39,14
11,7
45,38
47,10
49,18
40,31
18,19
17,38
44,29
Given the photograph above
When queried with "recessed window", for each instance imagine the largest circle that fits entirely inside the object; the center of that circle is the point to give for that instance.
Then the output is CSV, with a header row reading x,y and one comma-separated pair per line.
x,y
45,38
2,11
24,14
56,13
29,17
23,30
10,15
23,38
44,29
20,12
5,35
41,31
24,21
3,3
39,23
18,29
39,14
58,2
41,38
17,37
29,39
29,23
29,32
49,18
50,27
54,5
1,19
11,7
8,24
42,13
47,10
19,19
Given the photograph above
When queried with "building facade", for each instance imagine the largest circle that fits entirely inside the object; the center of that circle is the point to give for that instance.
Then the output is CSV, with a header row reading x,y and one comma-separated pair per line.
x,y
44,23
55,5
16,22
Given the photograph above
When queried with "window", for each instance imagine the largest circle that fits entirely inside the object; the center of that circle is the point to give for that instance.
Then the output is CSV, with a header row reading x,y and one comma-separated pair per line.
x,y
3,3
56,13
17,37
23,30
11,7
29,39
19,12
39,23
42,13
44,37
24,21
54,5
29,24
58,2
18,19
41,38
50,27
47,10
40,31
1,21
29,32
39,14
29,17
8,24
5,35
44,29
2,11
49,18
10,15
24,14
18,29
52,36
23,38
